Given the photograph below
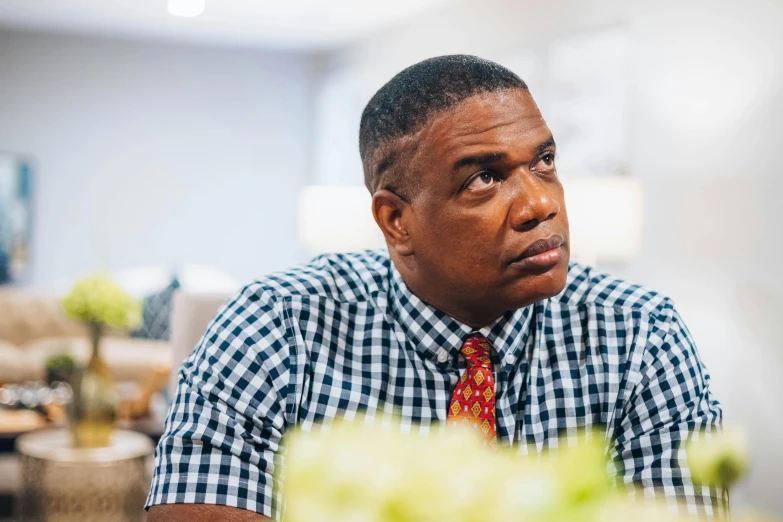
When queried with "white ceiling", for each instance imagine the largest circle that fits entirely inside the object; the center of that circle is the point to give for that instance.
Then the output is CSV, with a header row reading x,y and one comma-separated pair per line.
x,y
289,24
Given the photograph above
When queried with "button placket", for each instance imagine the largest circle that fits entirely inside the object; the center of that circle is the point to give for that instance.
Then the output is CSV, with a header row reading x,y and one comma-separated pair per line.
x,y
505,432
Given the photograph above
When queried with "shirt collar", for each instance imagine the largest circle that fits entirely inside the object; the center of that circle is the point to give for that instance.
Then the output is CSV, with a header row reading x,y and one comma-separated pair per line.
x,y
431,330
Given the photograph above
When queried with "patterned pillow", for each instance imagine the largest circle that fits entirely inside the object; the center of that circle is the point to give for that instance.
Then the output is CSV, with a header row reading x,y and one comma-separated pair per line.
x,y
156,314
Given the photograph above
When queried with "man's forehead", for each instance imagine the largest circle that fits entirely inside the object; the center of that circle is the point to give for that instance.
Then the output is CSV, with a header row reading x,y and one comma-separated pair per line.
x,y
496,117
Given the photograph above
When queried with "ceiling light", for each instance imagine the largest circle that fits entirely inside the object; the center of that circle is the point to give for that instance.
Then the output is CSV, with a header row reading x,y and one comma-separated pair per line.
x,y
187,8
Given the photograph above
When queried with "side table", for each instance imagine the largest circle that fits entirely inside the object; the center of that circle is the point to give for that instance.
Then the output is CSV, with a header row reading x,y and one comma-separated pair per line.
x,y
60,482
13,424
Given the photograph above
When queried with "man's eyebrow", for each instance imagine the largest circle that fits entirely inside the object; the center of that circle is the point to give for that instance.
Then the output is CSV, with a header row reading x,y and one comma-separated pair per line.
x,y
550,142
481,159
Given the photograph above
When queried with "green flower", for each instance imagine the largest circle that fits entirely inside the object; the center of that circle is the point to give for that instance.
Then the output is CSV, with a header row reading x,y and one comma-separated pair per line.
x,y
718,459
62,362
97,300
359,471
581,466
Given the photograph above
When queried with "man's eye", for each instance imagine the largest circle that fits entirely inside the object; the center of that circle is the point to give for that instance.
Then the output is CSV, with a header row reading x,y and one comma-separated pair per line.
x,y
546,163
482,181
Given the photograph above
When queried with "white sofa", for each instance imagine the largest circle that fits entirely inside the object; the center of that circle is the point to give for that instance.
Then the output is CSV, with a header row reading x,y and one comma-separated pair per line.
x,y
33,327
191,314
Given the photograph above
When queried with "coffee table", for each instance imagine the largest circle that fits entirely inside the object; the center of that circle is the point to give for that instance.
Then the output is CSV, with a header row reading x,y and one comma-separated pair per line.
x,y
13,423
60,482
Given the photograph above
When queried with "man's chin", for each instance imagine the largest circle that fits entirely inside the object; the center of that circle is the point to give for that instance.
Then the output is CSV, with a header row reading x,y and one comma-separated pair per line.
x,y
533,288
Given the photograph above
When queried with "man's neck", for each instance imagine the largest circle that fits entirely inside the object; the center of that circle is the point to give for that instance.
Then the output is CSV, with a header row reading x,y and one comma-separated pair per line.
x,y
473,316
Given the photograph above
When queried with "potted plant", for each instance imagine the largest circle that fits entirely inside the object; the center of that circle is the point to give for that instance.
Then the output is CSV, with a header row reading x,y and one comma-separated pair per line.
x,y
100,304
60,367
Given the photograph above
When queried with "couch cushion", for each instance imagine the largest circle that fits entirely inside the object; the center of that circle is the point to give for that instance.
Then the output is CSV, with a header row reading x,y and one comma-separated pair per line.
x,y
191,313
133,359
25,317
128,359
156,314
13,364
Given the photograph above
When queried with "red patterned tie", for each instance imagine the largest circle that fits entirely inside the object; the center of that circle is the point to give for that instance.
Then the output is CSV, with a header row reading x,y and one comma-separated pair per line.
x,y
473,401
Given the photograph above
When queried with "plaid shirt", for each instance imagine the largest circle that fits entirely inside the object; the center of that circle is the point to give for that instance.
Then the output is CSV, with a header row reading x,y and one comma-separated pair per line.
x,y
345,335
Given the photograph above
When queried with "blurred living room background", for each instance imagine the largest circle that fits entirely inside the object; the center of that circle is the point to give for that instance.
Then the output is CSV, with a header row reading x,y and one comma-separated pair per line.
x,y
188,155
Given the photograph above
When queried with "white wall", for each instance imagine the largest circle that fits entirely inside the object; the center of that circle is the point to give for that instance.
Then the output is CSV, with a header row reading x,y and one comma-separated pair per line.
x,y
151,154
706,123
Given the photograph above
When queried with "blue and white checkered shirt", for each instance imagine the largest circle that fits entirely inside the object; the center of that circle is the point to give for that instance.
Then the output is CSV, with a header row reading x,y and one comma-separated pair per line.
x,y
344,335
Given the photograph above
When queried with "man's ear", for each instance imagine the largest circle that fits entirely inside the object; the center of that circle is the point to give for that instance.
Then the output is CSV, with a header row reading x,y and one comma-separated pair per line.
x,y
393,214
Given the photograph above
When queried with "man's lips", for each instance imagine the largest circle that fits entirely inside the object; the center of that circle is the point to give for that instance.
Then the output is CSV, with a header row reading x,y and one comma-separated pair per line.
x,y
541,254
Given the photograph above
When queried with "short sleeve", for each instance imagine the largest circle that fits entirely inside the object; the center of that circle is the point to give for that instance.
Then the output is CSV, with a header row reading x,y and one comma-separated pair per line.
x,y
222,436
670,401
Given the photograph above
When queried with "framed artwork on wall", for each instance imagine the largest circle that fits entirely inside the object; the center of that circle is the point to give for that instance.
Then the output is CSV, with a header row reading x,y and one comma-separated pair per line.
x,y
16,208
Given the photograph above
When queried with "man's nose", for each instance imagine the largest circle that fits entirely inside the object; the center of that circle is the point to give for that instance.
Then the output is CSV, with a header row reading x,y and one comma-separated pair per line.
x,y
535,202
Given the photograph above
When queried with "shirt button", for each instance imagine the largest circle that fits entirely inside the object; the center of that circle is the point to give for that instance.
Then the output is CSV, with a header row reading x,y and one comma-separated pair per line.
x,y
510,359
443,355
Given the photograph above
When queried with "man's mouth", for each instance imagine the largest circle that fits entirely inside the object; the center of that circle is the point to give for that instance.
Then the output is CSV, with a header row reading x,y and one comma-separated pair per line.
x,y
542,254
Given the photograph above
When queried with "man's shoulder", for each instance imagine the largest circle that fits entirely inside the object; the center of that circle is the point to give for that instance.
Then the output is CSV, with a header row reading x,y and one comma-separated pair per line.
x,y
586,286
344,278
332,280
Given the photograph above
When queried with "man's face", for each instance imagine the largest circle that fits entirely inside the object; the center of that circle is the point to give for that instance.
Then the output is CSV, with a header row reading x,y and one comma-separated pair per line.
x,y
488,226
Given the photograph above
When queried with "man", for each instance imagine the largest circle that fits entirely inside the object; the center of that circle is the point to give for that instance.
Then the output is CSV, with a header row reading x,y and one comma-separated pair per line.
x,y
461,166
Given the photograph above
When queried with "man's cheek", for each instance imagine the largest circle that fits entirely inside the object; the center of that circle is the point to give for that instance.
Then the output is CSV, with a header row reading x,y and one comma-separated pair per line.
x,y
451,231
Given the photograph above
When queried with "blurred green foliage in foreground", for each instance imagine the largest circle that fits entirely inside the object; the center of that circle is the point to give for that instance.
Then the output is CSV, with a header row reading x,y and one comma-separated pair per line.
x,y
355,473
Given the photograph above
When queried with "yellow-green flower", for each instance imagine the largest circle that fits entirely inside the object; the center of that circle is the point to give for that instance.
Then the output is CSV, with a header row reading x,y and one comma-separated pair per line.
x,y
97,300
358,471
718,459
581,467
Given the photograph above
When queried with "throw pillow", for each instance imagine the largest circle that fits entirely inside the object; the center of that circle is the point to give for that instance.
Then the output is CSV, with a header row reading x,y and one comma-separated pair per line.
x,y
156,314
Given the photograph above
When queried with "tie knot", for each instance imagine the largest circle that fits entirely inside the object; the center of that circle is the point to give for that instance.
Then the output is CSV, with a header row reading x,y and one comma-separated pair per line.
x,y
477,351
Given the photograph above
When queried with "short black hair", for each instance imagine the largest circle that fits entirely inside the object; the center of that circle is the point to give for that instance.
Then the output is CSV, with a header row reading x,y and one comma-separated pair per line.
x,y
406,102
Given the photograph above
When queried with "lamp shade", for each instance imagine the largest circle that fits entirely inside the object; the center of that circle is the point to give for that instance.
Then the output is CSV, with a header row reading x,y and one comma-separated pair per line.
x,y
337,219
605,217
